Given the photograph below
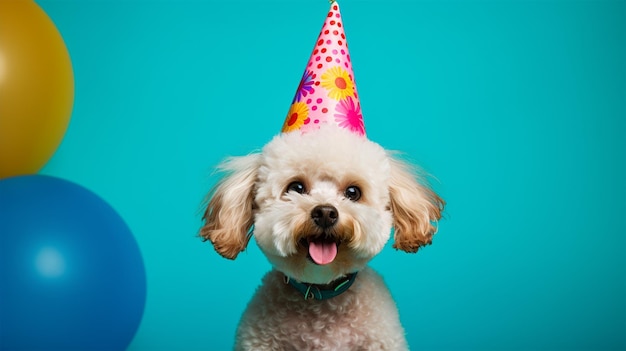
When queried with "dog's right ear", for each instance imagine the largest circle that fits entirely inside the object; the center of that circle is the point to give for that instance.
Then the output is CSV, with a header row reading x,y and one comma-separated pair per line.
x,y
230,210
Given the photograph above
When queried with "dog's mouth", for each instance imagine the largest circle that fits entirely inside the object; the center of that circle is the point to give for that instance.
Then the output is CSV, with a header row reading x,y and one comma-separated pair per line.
x,y
321,251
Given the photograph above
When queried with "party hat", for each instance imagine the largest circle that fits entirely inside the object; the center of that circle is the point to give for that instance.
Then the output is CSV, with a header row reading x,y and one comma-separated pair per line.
x,y
327,93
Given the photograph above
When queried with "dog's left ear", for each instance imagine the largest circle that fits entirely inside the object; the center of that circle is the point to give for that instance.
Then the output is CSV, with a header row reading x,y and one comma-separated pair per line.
x,y
414,206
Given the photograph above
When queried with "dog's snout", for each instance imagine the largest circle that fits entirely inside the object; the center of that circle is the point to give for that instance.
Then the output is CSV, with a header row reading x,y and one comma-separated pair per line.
x,y
325,216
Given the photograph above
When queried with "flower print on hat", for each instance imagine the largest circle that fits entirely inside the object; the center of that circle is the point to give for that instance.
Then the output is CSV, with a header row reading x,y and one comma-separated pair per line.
x,y
337,83
327,93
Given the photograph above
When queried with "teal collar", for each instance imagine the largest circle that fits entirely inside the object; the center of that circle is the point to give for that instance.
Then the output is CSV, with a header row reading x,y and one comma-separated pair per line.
x,y
322,292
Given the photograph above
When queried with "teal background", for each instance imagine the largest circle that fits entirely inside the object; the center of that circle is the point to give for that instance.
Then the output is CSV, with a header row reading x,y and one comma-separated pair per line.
x,y
518,108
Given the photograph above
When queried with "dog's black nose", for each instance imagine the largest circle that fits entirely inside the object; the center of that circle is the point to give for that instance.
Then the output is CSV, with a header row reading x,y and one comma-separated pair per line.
x,y
325,216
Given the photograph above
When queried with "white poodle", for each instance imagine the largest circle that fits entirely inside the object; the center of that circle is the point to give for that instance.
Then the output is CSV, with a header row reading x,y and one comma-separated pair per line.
x,y
321,205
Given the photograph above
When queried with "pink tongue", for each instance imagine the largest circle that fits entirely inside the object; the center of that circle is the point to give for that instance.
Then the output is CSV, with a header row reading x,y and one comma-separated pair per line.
x,y
322,252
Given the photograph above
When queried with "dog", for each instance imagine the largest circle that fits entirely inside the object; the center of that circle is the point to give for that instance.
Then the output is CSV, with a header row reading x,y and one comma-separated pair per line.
x,y
320,206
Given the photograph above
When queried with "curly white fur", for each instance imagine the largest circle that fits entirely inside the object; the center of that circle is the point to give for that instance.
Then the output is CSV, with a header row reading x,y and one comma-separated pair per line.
x,y
326,162
363,318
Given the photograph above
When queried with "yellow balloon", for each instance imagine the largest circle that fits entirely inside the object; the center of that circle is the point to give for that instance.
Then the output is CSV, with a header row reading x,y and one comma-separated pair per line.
x,y
36,88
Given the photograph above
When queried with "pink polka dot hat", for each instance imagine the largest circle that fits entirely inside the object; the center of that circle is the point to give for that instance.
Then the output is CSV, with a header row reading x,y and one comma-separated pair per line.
x,y
327,93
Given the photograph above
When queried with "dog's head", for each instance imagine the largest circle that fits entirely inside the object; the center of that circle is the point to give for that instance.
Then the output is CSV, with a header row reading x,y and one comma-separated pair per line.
x,y
322,204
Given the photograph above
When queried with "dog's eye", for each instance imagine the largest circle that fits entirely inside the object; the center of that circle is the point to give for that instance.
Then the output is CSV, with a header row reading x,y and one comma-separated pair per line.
x,y
353,193
298,187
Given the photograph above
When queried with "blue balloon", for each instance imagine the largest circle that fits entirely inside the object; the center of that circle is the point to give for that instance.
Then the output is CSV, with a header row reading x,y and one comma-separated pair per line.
x,y
71,273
